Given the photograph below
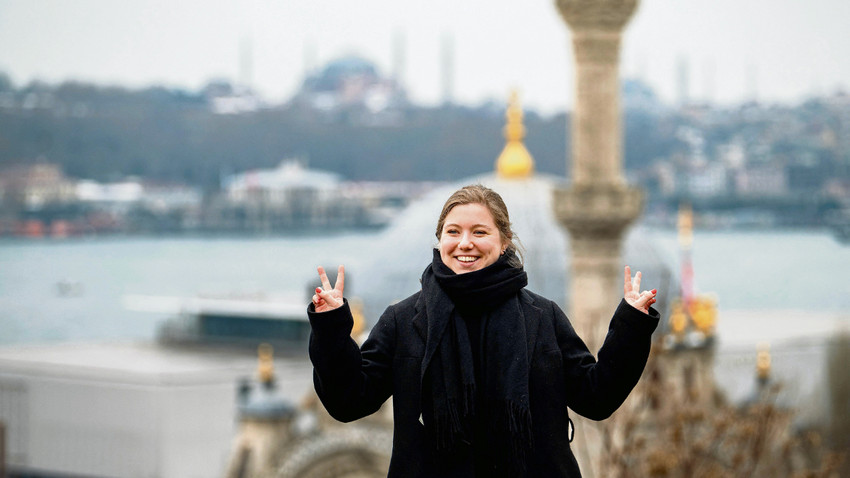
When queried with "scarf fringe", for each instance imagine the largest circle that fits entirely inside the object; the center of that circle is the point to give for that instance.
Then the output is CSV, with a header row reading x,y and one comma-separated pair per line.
x,y
454,421
516,419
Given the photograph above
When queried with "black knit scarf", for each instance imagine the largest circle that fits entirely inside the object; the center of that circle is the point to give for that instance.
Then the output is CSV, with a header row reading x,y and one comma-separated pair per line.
x,y
449,405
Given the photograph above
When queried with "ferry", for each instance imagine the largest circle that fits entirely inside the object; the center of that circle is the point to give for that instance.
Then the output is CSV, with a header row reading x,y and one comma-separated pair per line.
x,y
235,320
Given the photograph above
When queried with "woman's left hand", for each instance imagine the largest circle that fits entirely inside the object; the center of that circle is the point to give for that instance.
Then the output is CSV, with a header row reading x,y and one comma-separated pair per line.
x,y
631,292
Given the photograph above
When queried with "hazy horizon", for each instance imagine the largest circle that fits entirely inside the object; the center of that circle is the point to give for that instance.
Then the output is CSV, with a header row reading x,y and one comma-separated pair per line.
x,y
774,51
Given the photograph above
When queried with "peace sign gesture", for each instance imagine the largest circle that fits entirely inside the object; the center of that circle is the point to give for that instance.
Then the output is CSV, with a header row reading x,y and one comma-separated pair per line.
x,y
631,292
327,298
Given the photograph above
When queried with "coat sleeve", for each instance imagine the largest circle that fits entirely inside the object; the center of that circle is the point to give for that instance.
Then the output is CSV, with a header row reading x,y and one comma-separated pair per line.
x,y
595,389
352,382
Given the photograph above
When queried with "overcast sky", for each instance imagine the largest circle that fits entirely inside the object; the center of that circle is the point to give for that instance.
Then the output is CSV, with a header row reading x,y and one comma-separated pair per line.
x,y
780,50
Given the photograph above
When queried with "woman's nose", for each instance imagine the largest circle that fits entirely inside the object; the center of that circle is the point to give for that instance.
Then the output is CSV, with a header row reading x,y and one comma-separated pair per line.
x,y
465,242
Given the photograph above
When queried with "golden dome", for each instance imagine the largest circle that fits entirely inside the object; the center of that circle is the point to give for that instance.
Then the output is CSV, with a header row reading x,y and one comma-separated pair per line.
x,y
515,161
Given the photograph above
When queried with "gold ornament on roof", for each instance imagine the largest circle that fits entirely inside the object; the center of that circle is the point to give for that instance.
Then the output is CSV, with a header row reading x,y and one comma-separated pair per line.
x,y
515,161
763,361
356,306
265,366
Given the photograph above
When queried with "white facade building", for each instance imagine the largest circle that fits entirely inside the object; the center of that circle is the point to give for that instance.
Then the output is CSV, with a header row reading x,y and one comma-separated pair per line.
x,y
126,410
281,185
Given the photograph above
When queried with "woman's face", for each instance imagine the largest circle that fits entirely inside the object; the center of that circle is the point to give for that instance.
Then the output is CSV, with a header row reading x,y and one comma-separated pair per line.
x,y
470,240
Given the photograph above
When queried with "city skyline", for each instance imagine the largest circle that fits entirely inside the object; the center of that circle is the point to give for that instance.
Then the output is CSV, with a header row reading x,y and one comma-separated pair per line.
x,y
727,54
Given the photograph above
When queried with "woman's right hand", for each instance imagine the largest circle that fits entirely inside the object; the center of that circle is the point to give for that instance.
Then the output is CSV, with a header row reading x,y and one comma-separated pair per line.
x,y
631,292
327,298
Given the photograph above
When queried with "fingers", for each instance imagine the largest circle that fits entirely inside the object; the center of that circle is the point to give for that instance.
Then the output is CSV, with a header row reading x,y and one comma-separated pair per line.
x,y
629,284
317,300
646,298
326,284
636,282
340,279
326,297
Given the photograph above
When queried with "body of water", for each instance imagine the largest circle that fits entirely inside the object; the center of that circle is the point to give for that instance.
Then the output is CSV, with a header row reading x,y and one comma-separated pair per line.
x,y
73,289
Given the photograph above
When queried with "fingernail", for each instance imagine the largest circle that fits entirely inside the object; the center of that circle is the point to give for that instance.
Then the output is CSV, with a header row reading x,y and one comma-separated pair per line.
x,y
318,289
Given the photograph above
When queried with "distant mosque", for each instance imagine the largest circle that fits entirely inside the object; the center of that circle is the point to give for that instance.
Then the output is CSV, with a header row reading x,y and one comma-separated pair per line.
x,y
350,81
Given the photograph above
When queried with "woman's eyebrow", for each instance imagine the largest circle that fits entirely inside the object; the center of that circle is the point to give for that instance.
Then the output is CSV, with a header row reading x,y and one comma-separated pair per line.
x,y
451,224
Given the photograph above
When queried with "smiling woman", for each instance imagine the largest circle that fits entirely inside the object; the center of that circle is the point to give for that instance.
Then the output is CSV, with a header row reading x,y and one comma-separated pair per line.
x,y
474,221
470,240
481,370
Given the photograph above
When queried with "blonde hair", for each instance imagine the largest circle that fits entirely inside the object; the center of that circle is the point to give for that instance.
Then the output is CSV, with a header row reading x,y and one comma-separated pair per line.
x,y
478,194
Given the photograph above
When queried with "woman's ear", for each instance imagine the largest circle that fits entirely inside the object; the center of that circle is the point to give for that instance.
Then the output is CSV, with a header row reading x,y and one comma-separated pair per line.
x,y
506,242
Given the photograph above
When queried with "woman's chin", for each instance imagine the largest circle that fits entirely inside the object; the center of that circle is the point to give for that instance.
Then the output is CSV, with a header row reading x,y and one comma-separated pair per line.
x,y
464,267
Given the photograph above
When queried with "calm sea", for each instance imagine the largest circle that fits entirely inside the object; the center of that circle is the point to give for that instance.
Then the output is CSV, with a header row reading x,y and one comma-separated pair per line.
x,y
73,289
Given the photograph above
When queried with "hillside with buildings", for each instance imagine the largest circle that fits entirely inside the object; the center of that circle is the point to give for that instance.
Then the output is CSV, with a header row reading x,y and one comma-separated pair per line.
x,y
158,160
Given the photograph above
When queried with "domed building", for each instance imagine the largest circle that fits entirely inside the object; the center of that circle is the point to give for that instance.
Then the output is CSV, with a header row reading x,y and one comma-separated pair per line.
x,y
350,81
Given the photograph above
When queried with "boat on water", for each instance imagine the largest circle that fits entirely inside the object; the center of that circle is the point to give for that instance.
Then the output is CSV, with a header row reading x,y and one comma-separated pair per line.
x,y
228,320
233,320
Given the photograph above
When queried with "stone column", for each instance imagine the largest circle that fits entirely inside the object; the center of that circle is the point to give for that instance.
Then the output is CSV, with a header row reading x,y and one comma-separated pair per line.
x,y
598,206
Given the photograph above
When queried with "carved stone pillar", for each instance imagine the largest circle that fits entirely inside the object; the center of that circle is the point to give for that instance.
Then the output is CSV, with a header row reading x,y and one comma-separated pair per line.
x,y
598,207
596,215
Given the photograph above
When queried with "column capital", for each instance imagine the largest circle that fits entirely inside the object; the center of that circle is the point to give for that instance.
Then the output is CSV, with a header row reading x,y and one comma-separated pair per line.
x,y
593,46
610,15
597,210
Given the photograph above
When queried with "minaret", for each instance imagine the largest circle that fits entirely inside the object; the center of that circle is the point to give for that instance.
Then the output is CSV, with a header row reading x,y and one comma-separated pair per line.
x,y
683,81
399,62
597,208
246,63
752,89
308,58
447,68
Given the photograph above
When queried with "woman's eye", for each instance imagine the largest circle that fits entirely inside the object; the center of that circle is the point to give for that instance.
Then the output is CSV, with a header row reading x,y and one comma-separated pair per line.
x,y
480,233
451,231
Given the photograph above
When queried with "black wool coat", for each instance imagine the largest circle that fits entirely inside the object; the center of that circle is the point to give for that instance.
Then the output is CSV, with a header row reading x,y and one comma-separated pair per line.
x,y
354,382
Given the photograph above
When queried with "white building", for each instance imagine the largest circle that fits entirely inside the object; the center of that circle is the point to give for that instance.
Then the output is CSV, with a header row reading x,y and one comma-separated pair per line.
x,y
282,185
123,192
95,410
761,180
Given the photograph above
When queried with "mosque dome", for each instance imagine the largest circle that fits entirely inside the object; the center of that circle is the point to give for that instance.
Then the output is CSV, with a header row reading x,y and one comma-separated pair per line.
x,y
404,249
335,73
